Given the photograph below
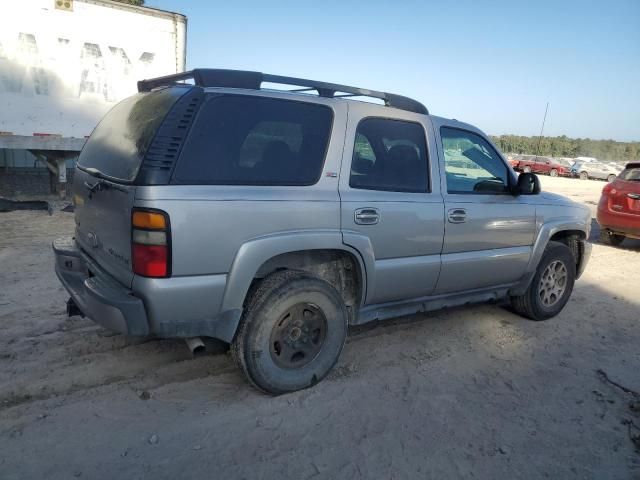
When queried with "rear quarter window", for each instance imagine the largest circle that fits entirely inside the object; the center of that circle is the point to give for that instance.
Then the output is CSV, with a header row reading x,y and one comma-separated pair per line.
x,y
245,140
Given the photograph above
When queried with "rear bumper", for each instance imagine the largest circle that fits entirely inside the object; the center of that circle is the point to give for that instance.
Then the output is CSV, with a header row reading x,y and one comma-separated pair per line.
x,y
618,222
186,306
98,295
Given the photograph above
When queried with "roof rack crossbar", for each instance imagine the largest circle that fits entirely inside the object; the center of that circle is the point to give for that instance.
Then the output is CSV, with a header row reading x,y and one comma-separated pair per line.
x,y
209,77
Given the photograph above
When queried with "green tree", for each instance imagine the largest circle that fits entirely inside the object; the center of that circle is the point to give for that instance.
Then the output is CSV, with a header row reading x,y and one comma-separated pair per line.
x,y
608,150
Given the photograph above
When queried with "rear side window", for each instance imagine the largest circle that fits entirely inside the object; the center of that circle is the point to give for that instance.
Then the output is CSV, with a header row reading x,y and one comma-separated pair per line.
x,y
244,140
120,141
389,155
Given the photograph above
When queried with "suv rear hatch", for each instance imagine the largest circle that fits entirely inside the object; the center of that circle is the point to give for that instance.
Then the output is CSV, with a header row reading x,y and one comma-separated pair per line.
x,y
112,163
624,192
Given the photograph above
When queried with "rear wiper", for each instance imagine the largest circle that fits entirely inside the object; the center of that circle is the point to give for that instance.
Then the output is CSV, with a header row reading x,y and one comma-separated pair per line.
x,y
99,184
102,183
94,171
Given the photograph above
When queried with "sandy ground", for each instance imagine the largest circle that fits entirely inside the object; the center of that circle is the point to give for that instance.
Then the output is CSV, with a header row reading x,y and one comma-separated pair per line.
x,y
473,392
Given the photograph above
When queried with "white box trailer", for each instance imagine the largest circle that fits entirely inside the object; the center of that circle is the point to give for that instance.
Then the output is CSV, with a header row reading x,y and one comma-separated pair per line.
x,y
65,63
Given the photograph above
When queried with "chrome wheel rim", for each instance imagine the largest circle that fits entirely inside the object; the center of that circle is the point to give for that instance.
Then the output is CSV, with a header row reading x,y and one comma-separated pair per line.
x,y
553,283
298,336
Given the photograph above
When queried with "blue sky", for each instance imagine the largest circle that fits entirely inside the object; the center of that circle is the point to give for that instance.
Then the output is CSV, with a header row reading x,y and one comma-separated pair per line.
x,y
494,64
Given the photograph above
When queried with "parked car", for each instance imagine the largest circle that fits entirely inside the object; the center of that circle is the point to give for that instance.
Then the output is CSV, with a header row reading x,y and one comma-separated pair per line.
x,y
273,220
567,163
615,166
619,207
597,170
514,161
546,165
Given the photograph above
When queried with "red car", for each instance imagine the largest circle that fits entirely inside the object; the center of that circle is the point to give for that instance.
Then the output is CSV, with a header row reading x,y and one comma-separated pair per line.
x,y
537,164
619,207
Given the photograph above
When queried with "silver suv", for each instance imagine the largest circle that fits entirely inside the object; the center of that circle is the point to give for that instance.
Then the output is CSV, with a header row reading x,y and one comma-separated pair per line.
x,y
275,219
601,171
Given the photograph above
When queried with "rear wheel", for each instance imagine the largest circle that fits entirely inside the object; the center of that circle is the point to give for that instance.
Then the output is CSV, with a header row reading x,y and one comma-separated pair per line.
x,y
526,169
611,178
551,286
553,172
584,176
292,332
609,238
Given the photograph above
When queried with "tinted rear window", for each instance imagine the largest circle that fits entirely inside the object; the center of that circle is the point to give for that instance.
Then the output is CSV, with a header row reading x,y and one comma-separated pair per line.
x,y
631,174
244,140
119,142
390,155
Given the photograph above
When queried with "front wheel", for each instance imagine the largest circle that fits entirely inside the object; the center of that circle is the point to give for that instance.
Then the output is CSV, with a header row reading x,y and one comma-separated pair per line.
x,y
584,176
292,332
611,178
553,172
526,169
551,286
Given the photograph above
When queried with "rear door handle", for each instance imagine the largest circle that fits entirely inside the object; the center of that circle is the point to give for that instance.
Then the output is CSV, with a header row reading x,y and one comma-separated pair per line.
x,y
366,216
457,215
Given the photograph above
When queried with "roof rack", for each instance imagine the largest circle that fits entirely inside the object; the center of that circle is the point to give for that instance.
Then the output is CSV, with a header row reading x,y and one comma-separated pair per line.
x,y
211,77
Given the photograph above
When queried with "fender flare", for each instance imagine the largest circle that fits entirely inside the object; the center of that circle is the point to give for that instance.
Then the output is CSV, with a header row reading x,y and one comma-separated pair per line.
x,y
547,230
254,253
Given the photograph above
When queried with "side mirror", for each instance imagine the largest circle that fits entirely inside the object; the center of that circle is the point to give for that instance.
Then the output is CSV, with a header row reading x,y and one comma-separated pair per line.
x,y
528,184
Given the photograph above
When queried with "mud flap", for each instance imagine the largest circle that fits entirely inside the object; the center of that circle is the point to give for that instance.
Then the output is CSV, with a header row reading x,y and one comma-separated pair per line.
x,y
73,310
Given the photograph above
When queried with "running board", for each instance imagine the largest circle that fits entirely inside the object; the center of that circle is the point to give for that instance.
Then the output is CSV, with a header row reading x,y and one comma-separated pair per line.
x,y
385,311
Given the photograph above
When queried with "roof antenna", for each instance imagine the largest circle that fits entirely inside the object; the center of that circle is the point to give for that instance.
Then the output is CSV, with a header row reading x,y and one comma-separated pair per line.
x,y
541,129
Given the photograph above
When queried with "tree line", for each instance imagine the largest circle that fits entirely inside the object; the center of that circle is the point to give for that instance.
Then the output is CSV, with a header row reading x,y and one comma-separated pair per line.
x,y
569,147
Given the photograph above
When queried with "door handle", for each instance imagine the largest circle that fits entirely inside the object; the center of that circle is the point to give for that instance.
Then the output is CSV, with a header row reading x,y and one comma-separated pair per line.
x,y
457,215
366,216
635,196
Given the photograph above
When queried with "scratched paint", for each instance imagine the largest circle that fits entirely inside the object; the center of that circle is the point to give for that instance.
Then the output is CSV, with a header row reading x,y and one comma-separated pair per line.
x,y
61,71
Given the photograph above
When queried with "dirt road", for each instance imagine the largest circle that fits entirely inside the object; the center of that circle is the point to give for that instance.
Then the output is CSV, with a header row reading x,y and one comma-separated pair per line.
x,y
474,392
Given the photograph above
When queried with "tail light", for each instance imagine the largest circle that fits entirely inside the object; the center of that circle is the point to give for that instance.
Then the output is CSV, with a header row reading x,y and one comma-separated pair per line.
x,y
150,243
608,188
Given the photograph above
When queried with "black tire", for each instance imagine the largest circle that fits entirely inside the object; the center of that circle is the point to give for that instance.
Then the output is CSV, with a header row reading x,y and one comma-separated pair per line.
x,y
527,169
584,176
611,178
553,172
609,238
530,304
279,308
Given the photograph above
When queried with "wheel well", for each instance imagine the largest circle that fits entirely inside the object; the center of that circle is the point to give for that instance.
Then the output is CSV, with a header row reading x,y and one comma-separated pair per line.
x,y
337,267
574,240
